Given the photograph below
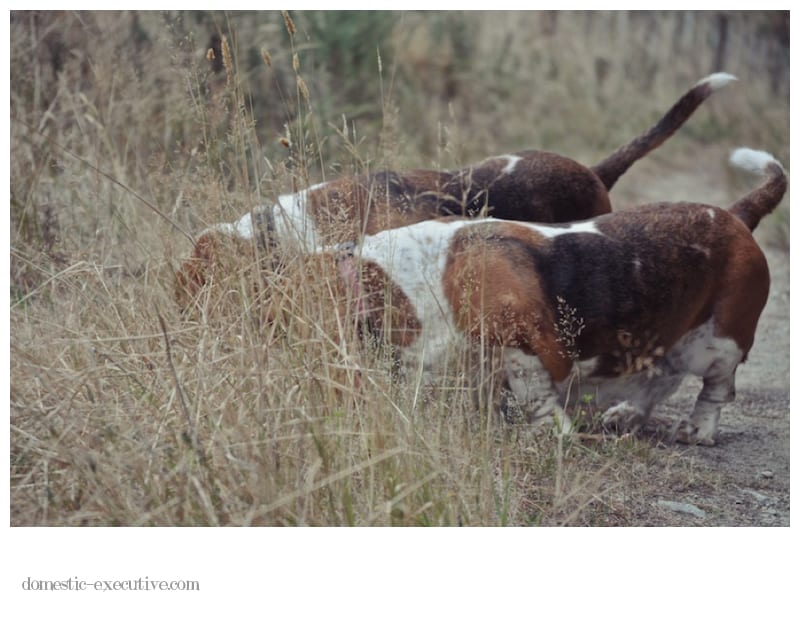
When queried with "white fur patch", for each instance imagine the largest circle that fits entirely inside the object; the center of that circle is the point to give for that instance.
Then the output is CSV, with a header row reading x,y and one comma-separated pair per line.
x,y
243,228
530,383
551,231
637,268
700,350
414,257
293,225
229,229
717,80
754,161
512,159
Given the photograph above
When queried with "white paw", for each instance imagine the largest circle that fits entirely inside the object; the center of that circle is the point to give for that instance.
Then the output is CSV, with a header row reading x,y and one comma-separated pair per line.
x,y
621,415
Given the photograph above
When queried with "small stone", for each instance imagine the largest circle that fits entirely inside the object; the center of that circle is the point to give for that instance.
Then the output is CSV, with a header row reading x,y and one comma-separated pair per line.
x,y
759,497
767,474
684,508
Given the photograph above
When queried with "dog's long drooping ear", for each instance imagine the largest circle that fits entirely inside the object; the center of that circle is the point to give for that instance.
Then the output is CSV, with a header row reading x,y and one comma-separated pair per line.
x,y
220,257
618,162
195,271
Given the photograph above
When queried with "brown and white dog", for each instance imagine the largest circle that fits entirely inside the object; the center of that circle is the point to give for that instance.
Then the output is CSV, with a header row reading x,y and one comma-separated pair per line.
x,y
621,306
530,185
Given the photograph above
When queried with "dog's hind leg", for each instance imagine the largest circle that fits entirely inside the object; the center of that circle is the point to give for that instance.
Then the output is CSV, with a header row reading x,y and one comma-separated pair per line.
x,y
703,352
719,387
636,396
530,395
715,349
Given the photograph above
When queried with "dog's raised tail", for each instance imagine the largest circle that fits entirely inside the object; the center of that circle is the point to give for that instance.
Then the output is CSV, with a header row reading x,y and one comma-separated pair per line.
x,y
618,162
759,202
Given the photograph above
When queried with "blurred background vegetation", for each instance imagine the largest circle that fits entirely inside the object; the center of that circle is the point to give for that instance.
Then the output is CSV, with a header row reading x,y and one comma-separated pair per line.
x,y
408,84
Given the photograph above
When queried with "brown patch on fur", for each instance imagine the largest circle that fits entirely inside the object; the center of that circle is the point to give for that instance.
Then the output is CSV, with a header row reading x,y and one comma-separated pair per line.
x,y
745,288
308,296
309,307
347,208
497,296
217,257
543,187
386,308
311,303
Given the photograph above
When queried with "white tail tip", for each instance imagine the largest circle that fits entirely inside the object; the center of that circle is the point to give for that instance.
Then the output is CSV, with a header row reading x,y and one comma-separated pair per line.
x,y
717,80
755,161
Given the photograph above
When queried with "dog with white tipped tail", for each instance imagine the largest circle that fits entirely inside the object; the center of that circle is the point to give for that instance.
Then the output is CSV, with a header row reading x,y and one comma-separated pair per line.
x,y
622,306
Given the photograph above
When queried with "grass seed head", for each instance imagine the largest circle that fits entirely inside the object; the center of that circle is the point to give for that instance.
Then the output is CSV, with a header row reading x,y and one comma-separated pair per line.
x,y
287,19
227,60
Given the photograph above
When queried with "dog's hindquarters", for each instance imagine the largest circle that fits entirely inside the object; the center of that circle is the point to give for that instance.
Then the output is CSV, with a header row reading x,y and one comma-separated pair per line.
x,y
530,185
713,350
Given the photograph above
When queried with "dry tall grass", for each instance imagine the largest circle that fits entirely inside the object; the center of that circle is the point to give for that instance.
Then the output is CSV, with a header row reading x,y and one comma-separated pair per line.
x,y
127,136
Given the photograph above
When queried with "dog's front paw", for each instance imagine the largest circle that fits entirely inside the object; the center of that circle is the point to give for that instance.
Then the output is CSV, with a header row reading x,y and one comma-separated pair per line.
x,y
621,416
689,434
